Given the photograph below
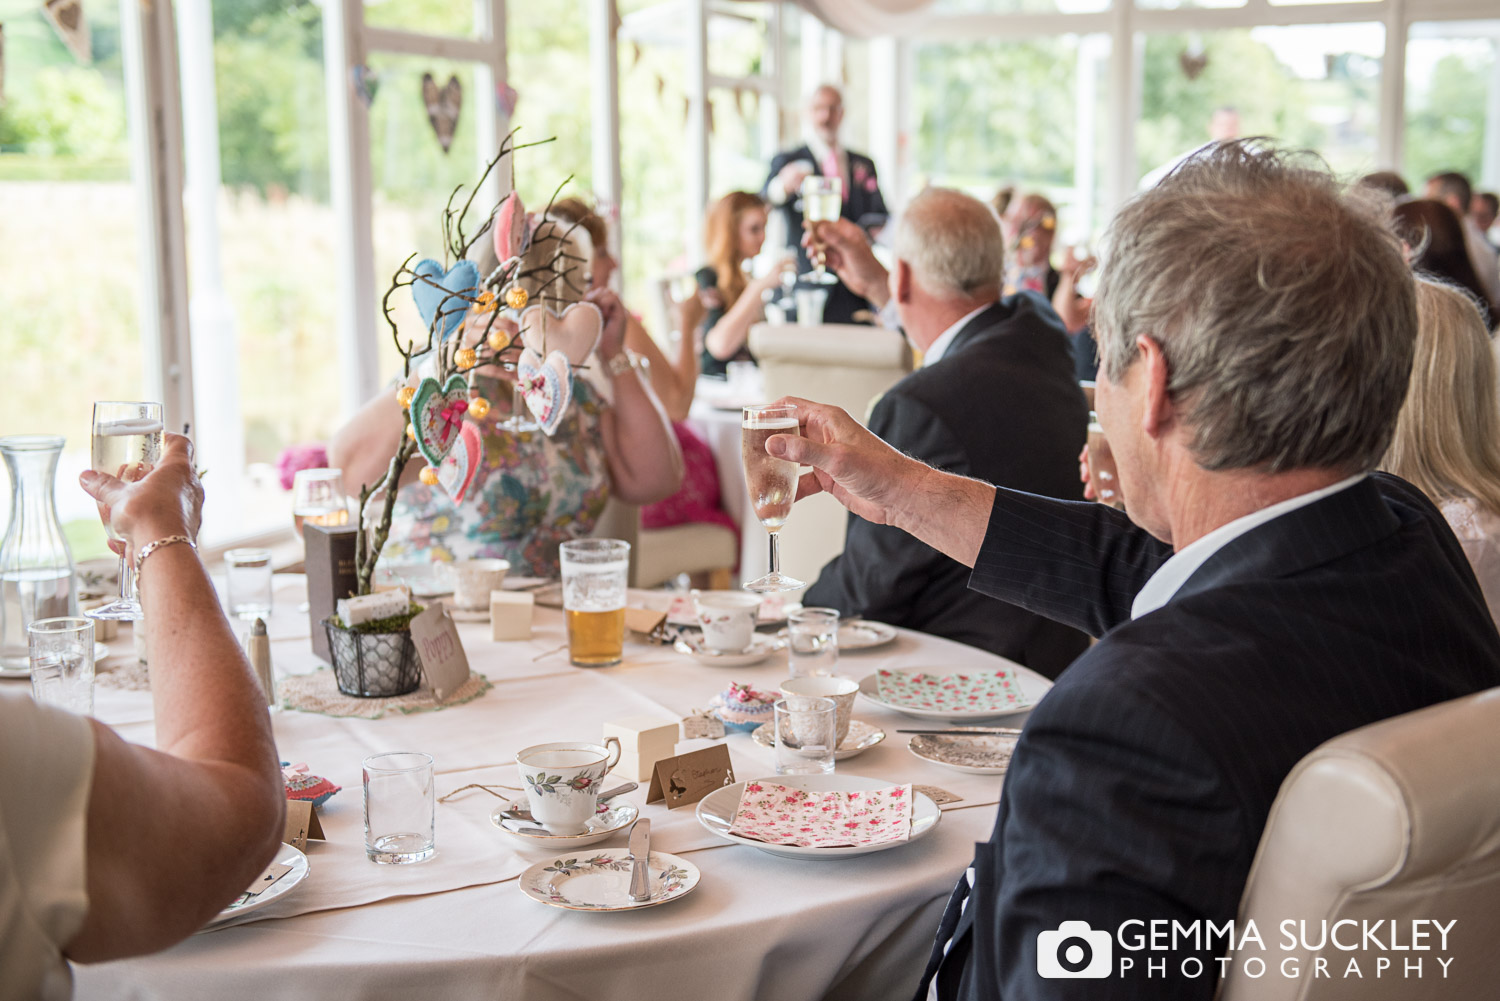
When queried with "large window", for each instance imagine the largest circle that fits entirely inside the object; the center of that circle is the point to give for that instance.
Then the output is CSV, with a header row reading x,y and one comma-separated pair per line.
x,y
1452,86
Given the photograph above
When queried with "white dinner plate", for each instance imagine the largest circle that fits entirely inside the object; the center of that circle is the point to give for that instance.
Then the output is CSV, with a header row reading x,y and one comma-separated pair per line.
x,y
1033,686
977,754
863,634
716,813
600,826
601,881
287,855
760,648
861,737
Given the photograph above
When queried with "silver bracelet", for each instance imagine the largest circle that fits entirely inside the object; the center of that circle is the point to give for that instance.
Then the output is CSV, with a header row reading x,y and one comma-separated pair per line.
x,y
620,364
152,547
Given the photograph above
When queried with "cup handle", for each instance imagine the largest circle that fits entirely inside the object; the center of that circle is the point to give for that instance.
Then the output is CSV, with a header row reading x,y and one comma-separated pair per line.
x,y
615,743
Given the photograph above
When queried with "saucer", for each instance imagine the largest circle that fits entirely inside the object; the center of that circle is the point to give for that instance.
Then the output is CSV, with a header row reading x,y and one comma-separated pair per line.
x,y
600,827
863,634
861,737
601,882
761,647
977,754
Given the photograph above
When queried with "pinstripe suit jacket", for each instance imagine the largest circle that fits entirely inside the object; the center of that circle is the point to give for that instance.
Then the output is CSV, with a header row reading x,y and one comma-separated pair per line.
x,y
1143,780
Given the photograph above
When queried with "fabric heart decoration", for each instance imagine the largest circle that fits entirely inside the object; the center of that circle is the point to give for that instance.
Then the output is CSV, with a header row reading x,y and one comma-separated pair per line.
x,y
575,332
547,387
510,230
440,291
443,104
461,463
437,412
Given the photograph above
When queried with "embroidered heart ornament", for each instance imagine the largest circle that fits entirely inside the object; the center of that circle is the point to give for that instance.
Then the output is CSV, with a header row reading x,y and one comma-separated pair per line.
x,y
438,290
575,331
461,462
510,229
547,387
437,412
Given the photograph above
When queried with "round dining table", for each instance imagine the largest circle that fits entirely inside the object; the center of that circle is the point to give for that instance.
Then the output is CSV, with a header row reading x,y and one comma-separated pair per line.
x,y
757,925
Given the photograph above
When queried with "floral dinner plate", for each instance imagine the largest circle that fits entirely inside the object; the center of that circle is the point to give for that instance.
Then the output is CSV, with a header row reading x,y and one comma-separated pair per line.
x,y
601,881
1032,687
978,753
863,634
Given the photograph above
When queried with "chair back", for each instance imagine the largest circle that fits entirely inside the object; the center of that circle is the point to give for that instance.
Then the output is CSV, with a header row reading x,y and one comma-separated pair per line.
x,y
1394,822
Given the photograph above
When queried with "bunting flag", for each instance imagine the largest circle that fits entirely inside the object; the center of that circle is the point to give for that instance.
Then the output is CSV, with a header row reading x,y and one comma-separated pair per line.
x,y
366,84
442,107
71,26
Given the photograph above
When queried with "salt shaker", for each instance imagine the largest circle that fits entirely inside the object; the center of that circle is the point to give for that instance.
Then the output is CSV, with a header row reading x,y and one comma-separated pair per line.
x,y
258,649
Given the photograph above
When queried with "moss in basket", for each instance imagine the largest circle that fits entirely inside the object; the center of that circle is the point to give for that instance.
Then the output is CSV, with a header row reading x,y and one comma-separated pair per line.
x,y
389,624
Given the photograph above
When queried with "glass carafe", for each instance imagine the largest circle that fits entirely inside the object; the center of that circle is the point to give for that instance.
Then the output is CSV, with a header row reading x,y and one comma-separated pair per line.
x,y
37,580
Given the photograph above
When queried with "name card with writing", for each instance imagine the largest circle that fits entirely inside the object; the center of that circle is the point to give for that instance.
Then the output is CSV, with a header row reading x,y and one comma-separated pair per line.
x,y
301,824
938,796
702,724
440,650
687,778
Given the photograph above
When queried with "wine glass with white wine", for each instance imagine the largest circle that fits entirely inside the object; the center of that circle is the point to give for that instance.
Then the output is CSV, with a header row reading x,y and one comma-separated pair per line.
x,y
822,201
127,443
772,482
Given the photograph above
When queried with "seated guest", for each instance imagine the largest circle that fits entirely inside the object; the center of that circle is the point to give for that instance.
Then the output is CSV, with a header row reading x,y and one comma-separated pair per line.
x,y
531,492
1435,241
1483,210
988,364
84,816
1264,593
1387,181
1453,190
1448,434
729,301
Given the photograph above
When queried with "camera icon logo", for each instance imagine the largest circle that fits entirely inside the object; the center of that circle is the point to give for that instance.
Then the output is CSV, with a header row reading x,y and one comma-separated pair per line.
x,y
1074,951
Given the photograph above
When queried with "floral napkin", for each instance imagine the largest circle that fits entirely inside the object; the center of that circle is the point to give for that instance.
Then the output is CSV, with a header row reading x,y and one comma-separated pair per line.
x,y
782,815
997,691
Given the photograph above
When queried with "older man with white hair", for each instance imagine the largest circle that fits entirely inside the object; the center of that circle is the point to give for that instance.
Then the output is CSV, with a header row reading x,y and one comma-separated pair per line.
x,y
995,399
1266,592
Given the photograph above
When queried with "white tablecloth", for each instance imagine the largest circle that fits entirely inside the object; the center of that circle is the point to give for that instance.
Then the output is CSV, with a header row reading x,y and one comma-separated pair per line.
x,y
757,927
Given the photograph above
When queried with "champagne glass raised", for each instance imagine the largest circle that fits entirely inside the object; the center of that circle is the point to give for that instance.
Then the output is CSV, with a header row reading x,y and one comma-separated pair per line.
x,y
822,201
772,482
127,443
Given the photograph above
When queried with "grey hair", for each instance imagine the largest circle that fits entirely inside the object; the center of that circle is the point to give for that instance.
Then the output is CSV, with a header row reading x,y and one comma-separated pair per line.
x,y
952,243
1283,307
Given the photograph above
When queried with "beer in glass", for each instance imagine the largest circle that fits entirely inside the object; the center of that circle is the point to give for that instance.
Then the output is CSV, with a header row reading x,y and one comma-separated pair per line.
x,y
594,575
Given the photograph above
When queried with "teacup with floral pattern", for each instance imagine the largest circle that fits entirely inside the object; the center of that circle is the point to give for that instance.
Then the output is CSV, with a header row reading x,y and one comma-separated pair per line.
x,y
562,781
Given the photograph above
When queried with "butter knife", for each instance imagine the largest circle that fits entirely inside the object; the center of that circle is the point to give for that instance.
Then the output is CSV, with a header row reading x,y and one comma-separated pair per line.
x,y
640,854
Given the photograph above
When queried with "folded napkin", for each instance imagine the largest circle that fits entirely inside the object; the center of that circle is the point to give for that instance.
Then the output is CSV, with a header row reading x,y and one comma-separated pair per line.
x,y
990,690
782,815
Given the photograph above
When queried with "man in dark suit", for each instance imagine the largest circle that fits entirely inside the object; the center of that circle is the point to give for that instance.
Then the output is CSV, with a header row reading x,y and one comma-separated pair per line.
x,y
1266,593
822,155
988,364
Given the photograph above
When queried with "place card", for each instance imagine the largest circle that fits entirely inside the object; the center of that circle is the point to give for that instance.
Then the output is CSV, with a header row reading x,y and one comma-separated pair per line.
x,y
702,724
938,796
266,880
644,620
687,778
442,653
301,824
369,607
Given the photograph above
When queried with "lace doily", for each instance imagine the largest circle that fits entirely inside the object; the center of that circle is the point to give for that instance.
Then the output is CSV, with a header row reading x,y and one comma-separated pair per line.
x,y
124,672
319,693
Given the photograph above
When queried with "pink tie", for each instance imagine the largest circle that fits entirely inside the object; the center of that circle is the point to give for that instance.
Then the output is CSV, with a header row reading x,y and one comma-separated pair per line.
x,y
831,169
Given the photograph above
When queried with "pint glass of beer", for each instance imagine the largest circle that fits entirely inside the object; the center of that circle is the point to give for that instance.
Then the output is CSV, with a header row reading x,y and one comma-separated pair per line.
x,y
594,574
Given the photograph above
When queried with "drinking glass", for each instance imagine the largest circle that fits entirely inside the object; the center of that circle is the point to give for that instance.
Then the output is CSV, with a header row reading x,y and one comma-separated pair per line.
x,y
1103,476
822,201
62,663
399,807
594,576
247,579
772,482
127,442
813,642
318,497
520,419
805,735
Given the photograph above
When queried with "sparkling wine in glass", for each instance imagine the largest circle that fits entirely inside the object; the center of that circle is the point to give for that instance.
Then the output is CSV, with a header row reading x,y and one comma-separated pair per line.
x,y
822,201
772,482
127,443
318,498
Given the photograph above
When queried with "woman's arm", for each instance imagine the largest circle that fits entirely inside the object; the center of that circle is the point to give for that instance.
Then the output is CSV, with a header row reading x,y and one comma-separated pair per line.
x,y
363,447
645,462
674,382
1070,306
729,334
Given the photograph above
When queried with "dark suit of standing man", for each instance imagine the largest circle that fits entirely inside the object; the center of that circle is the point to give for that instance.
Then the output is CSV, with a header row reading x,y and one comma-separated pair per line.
x,y
996,399
820,155
1266,592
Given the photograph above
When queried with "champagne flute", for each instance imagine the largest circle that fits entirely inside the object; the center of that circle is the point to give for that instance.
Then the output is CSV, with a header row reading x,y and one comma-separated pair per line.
x,y
822,201
127,443
772,482
520,419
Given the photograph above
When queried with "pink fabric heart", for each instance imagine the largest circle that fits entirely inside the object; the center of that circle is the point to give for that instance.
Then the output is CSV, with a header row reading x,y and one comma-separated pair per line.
x,y
461,463
509,230
547,387
575,331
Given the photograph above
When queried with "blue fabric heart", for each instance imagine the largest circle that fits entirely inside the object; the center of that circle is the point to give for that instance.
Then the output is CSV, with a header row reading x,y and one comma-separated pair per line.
x,y
462,278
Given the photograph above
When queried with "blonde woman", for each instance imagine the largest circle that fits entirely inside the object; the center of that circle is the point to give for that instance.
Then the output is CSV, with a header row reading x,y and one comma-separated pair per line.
x,y
1447,439
728,303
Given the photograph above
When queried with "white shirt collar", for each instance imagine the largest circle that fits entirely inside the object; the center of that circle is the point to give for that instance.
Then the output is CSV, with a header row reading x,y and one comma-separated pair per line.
x,y
939,347
1174,573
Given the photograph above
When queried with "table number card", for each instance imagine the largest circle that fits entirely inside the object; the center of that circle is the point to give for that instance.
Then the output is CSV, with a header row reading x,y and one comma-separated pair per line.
x,y
442,653
687,778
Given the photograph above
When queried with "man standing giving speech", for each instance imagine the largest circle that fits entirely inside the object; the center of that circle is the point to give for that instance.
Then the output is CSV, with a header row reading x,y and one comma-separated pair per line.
x,y
1266,592
821,155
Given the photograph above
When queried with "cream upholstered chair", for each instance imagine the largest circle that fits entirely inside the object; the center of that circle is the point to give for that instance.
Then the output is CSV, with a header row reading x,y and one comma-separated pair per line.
x,y
841,364
1395,821
659,554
